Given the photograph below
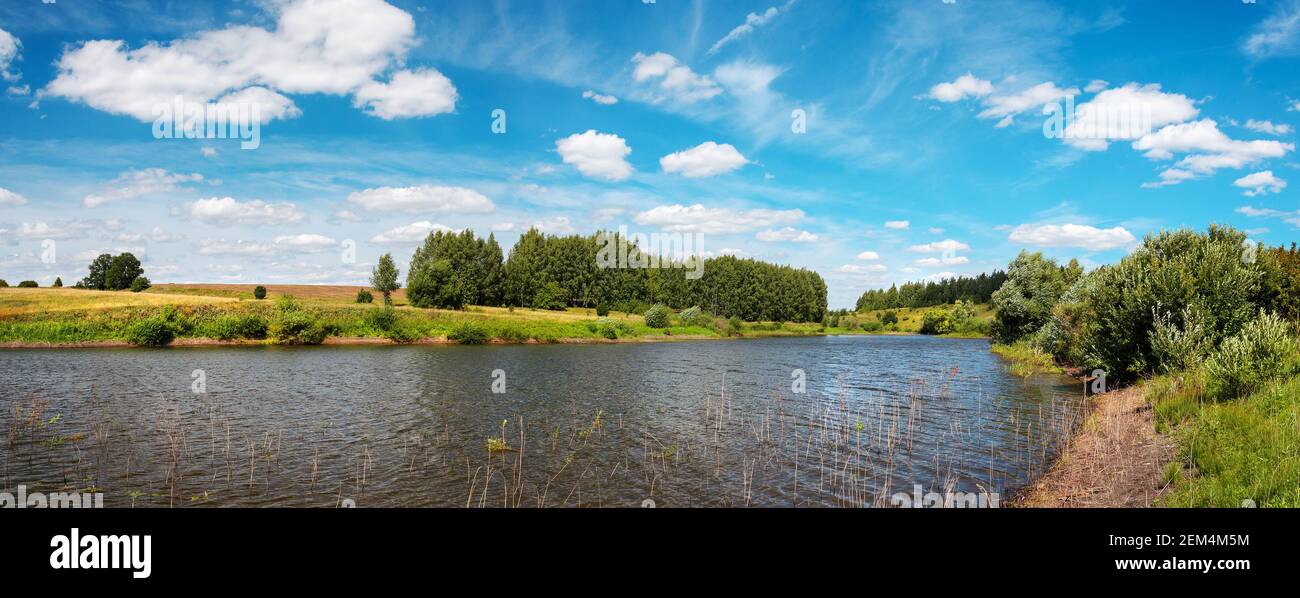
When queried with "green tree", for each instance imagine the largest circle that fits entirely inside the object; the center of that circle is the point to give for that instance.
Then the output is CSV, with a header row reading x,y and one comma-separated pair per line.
x,y
122,270
435,284
98,276
58,282
384,278
1034,285
259,292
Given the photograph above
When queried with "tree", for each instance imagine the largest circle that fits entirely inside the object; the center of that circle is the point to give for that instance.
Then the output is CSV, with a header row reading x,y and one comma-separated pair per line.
x,y
4,284
58,282
139,284
435,284
28,284
259,292
384,278
122,271
1024,303
98,276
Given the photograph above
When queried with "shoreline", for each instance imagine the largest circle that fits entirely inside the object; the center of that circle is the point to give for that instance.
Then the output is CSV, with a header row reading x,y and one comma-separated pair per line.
x,y
379,340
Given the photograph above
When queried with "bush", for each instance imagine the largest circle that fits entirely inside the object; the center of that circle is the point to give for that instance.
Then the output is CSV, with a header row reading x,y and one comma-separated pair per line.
x,y
139,284
248,326
364,296
938,321
1245,362
435,284
28,284
1181,342
694,316
293,325
888,318
551,297
657,316
1024,302
468,333
609,330
401,335
602,310
259,293
4,284
734,324
872,326
155,331
58,282
383,319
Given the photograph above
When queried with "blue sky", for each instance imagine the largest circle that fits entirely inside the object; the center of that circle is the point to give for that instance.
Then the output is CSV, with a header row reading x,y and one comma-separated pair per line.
x,y
922,155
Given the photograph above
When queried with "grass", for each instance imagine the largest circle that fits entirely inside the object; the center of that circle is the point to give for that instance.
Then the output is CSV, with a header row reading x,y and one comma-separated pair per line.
x,y
1231,451
1025,360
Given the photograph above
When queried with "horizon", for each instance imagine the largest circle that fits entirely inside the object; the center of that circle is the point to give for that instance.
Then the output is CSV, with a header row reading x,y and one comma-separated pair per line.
x,y
779,131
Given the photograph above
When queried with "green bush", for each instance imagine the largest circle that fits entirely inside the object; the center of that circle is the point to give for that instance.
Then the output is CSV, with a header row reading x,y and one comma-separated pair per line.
x,y
436,284
4,284
872,326
657,316
468,333
1245,362
139,284
246,326
888,318
551,297
58,282
401,335
609,331
938,321
28,284
364,296
1024,302
694,316
734,324
383,319
294,325
155,331
259,292
602,310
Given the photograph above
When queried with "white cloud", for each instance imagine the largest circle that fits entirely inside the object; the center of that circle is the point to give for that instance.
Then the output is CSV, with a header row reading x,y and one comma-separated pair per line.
x,y
158,235
1153,108
1260,183
222,247
9,50
270,105
557,225
965,86
1292,218
1211,149
898,224
944,246
226,211
704,160
18,90
433,199
868,256
410,233
305,243
1268,127
333,47
503,227
863,269
208,152
135,183
788,233
46,230
9,198
1072,235
697,218
407,94
596,155
600,98
1278,35
1006,107
952,260
606,214
677,80
752,20
1095,86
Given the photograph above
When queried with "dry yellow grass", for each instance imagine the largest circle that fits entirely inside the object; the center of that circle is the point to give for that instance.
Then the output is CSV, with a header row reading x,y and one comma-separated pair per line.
x,y
309,292
15,301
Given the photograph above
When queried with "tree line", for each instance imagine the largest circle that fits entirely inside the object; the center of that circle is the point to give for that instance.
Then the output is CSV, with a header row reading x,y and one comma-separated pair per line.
x,y
971,289
451,270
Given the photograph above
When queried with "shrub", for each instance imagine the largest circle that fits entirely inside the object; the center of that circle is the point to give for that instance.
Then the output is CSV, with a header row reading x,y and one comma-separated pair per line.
x,y
602,310
139,284
155,331
364,296
551,297
58,282
609,331
28,284
938,321
872,326
228,327
259,292
1024,302
435,284
4,284
657,316
734,324
1263,350
888,318
297,328
694,316
1179,342
468,333
383,319
401,335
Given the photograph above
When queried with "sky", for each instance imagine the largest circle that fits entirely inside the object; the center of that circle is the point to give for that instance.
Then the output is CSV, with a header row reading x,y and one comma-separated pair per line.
x,y
873,142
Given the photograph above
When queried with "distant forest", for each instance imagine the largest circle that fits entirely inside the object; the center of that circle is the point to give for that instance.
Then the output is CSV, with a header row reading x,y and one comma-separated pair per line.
x,y
978,289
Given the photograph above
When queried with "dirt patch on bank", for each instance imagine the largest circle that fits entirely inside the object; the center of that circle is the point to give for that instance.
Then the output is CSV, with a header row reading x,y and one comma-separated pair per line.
x,y
1117,460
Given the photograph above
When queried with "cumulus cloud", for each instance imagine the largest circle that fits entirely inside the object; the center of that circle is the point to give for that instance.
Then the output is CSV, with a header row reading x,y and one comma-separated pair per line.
x,y
1126,112
135,183
789,234
1072,235
222,247
336,47
676,80
697,218
944,246
9,198
1292,218
227,211
965,86
407,94
600,98
1209,147
951,260
70,229
10,47
409,233
868,256
596,155
863,269
434,199
305,243
1260,183
1006,107
897,224
704,160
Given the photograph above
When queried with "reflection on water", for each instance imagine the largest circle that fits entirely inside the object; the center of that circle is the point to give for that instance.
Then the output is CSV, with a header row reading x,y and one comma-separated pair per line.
x,y
708,423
